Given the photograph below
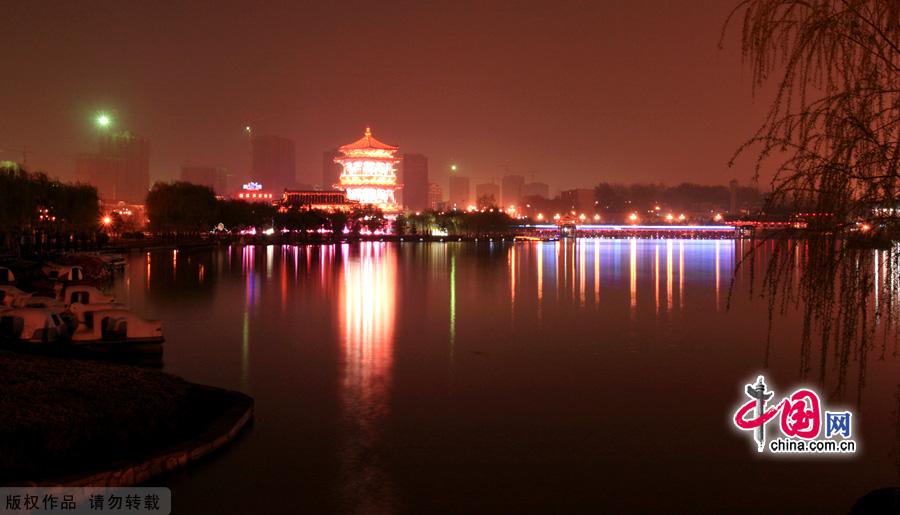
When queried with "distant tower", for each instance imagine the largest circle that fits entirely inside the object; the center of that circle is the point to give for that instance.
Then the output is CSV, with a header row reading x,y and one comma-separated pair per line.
x,y
459,192
368,174
415,182
435,196
512,189
126,157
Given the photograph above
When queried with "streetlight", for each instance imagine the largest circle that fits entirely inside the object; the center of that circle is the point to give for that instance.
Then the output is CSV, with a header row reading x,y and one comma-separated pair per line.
x,y
103,120
453,168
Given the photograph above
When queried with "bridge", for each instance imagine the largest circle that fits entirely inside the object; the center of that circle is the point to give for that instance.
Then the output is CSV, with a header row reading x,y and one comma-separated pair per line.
x,y
633,230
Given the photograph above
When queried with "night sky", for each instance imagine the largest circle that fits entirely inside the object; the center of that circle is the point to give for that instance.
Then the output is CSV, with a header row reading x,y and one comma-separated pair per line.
x,y
572,92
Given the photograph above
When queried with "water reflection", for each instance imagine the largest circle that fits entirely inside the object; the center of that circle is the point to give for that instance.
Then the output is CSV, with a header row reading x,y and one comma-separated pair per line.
x,y
366,306
578,266
366,403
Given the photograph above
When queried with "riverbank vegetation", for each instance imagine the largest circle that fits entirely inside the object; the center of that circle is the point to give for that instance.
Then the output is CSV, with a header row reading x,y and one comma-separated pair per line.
x,y
37,212
466,224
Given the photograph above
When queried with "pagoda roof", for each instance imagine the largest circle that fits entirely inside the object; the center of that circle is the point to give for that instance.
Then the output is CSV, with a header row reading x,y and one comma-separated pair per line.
x,y
367,142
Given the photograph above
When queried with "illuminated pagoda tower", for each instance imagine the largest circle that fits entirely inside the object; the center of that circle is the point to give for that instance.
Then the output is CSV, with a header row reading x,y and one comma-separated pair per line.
x,y
368,172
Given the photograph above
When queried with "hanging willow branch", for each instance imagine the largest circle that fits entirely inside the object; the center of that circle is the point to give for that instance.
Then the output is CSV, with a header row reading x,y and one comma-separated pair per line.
x,y
831,136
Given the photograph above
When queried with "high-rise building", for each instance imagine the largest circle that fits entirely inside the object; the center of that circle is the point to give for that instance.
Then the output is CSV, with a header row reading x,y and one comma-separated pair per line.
x,y
459,192
134,155
213,177
273,162
414,177
120,170
536,189
331,170
435,196
512,189
486,195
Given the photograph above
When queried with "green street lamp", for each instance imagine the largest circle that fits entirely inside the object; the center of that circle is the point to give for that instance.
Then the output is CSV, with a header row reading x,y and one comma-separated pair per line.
x,y
103,120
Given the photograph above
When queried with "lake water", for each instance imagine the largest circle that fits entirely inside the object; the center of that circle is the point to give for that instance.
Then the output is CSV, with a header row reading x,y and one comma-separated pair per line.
x,y
599,375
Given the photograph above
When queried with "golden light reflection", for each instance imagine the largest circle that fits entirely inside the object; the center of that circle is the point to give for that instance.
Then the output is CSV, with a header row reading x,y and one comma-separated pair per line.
x,y
574,271
633,274
452,306
512,278
656,275
283,277
668,275
717,275
540,276
556,269
681,275
597,272
367,305
248,266
581,272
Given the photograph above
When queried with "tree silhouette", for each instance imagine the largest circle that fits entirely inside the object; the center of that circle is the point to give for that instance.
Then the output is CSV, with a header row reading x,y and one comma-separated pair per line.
x,y
832,134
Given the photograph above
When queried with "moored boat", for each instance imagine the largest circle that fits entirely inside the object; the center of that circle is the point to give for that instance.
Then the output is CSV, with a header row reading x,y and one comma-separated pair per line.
x,y
82,294
33,325
113,328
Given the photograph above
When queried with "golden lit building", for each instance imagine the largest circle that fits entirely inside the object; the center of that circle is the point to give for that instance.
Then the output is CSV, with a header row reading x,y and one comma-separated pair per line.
x,y
368,175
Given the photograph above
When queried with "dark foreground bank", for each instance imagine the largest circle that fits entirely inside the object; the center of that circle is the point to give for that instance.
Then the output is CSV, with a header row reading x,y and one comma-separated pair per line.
x,y
70,421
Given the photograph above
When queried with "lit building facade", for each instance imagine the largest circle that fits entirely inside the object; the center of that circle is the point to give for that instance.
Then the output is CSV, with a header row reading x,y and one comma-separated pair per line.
x,y
254,192
435,196
368,175
314,199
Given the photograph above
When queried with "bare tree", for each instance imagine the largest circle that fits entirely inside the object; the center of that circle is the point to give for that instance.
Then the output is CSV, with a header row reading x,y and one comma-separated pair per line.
x,y
832,136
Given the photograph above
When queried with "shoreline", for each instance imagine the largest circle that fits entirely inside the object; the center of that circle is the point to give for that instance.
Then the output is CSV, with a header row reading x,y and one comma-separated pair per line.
x,y
91,423
221,431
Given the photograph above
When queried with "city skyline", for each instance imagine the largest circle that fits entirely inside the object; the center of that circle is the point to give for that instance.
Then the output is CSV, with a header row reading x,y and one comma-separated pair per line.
x,y
675,117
